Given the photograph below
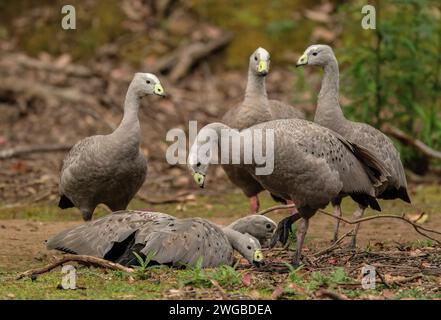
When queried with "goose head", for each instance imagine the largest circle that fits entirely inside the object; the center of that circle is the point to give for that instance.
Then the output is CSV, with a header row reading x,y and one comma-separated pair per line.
x,y
316,55
147,84
260,62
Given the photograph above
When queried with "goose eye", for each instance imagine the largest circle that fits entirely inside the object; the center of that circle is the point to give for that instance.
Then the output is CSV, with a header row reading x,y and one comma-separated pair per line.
x,y
255,58
148,81
314,53
249,247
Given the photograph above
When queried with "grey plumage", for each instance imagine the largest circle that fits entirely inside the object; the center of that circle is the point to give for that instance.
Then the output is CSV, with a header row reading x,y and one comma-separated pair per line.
x,y
312,166
109,169
173,241
254,109
260,227
330,115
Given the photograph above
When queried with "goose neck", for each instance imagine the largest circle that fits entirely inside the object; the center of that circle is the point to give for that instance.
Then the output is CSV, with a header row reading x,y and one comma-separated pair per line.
x,y
328,111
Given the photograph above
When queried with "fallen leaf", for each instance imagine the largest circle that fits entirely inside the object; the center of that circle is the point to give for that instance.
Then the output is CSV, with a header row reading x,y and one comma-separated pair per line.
x,y
277,293
418,217
246,279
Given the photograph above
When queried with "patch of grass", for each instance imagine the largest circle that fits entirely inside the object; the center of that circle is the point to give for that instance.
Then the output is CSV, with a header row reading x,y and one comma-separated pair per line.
x,y
195,276
226,276
422,243
140,270
294,275
414,293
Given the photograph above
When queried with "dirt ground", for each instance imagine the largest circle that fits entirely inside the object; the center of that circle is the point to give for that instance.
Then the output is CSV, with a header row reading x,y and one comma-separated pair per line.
x,y
23,239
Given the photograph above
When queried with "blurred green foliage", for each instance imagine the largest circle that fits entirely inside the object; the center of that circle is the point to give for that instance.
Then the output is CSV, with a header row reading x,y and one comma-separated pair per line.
x,y
275,25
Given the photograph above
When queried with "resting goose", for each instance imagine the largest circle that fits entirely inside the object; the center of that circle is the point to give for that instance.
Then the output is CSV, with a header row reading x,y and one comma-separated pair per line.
x,y
330,115
173,241
254,109
312,166
109,169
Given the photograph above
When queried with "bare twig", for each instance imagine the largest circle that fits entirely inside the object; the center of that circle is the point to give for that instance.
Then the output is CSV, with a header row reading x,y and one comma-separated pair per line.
x,y
417,228
179,198
279,207
20,151
330,294
180,61
221,290
98,262
334,245
406,139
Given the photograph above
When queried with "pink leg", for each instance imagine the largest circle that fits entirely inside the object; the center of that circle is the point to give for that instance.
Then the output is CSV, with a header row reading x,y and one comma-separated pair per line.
x,y
294,210
254,204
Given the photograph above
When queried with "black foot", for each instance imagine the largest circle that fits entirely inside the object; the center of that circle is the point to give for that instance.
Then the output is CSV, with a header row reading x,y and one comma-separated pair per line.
x,y
87,216
282,232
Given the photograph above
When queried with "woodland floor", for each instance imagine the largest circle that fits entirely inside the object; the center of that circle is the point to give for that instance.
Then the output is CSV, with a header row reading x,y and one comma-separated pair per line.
x,y
408,265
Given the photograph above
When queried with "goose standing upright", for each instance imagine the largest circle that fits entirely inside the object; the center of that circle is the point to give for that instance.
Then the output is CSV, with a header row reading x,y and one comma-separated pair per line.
x,y
312,165
109,169
254,109
330,115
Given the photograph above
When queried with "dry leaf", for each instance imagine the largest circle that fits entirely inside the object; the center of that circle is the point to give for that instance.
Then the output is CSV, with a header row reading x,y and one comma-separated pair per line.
x,y
277,293
418,217
246,279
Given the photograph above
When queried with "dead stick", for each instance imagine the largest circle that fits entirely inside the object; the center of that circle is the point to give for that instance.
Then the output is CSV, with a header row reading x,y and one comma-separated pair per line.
x,y
330,294
219,288
415,226
280,207
417,144
178,199
20,151
335,244
76,258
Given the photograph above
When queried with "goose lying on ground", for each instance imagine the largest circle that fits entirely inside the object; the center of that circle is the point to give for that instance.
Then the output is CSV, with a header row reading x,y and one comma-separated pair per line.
x,y
109,169
312,166
173,241
254,109
330,115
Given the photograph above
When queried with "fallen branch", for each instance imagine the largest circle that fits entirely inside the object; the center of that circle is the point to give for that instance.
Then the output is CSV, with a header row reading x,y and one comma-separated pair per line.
x,y
417,228
98,262
279,207
221,290
69,69
334,245
329,294
185,196
406,139
20,151
180,61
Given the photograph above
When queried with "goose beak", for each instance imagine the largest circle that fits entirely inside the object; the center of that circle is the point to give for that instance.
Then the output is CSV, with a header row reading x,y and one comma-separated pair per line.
x,y
263,67
199,178
302,60
159,90
258,259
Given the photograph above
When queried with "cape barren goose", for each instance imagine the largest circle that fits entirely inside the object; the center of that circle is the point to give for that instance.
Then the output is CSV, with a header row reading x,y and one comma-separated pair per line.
x,y
172,241
254,109
330,115
312,166
109,169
